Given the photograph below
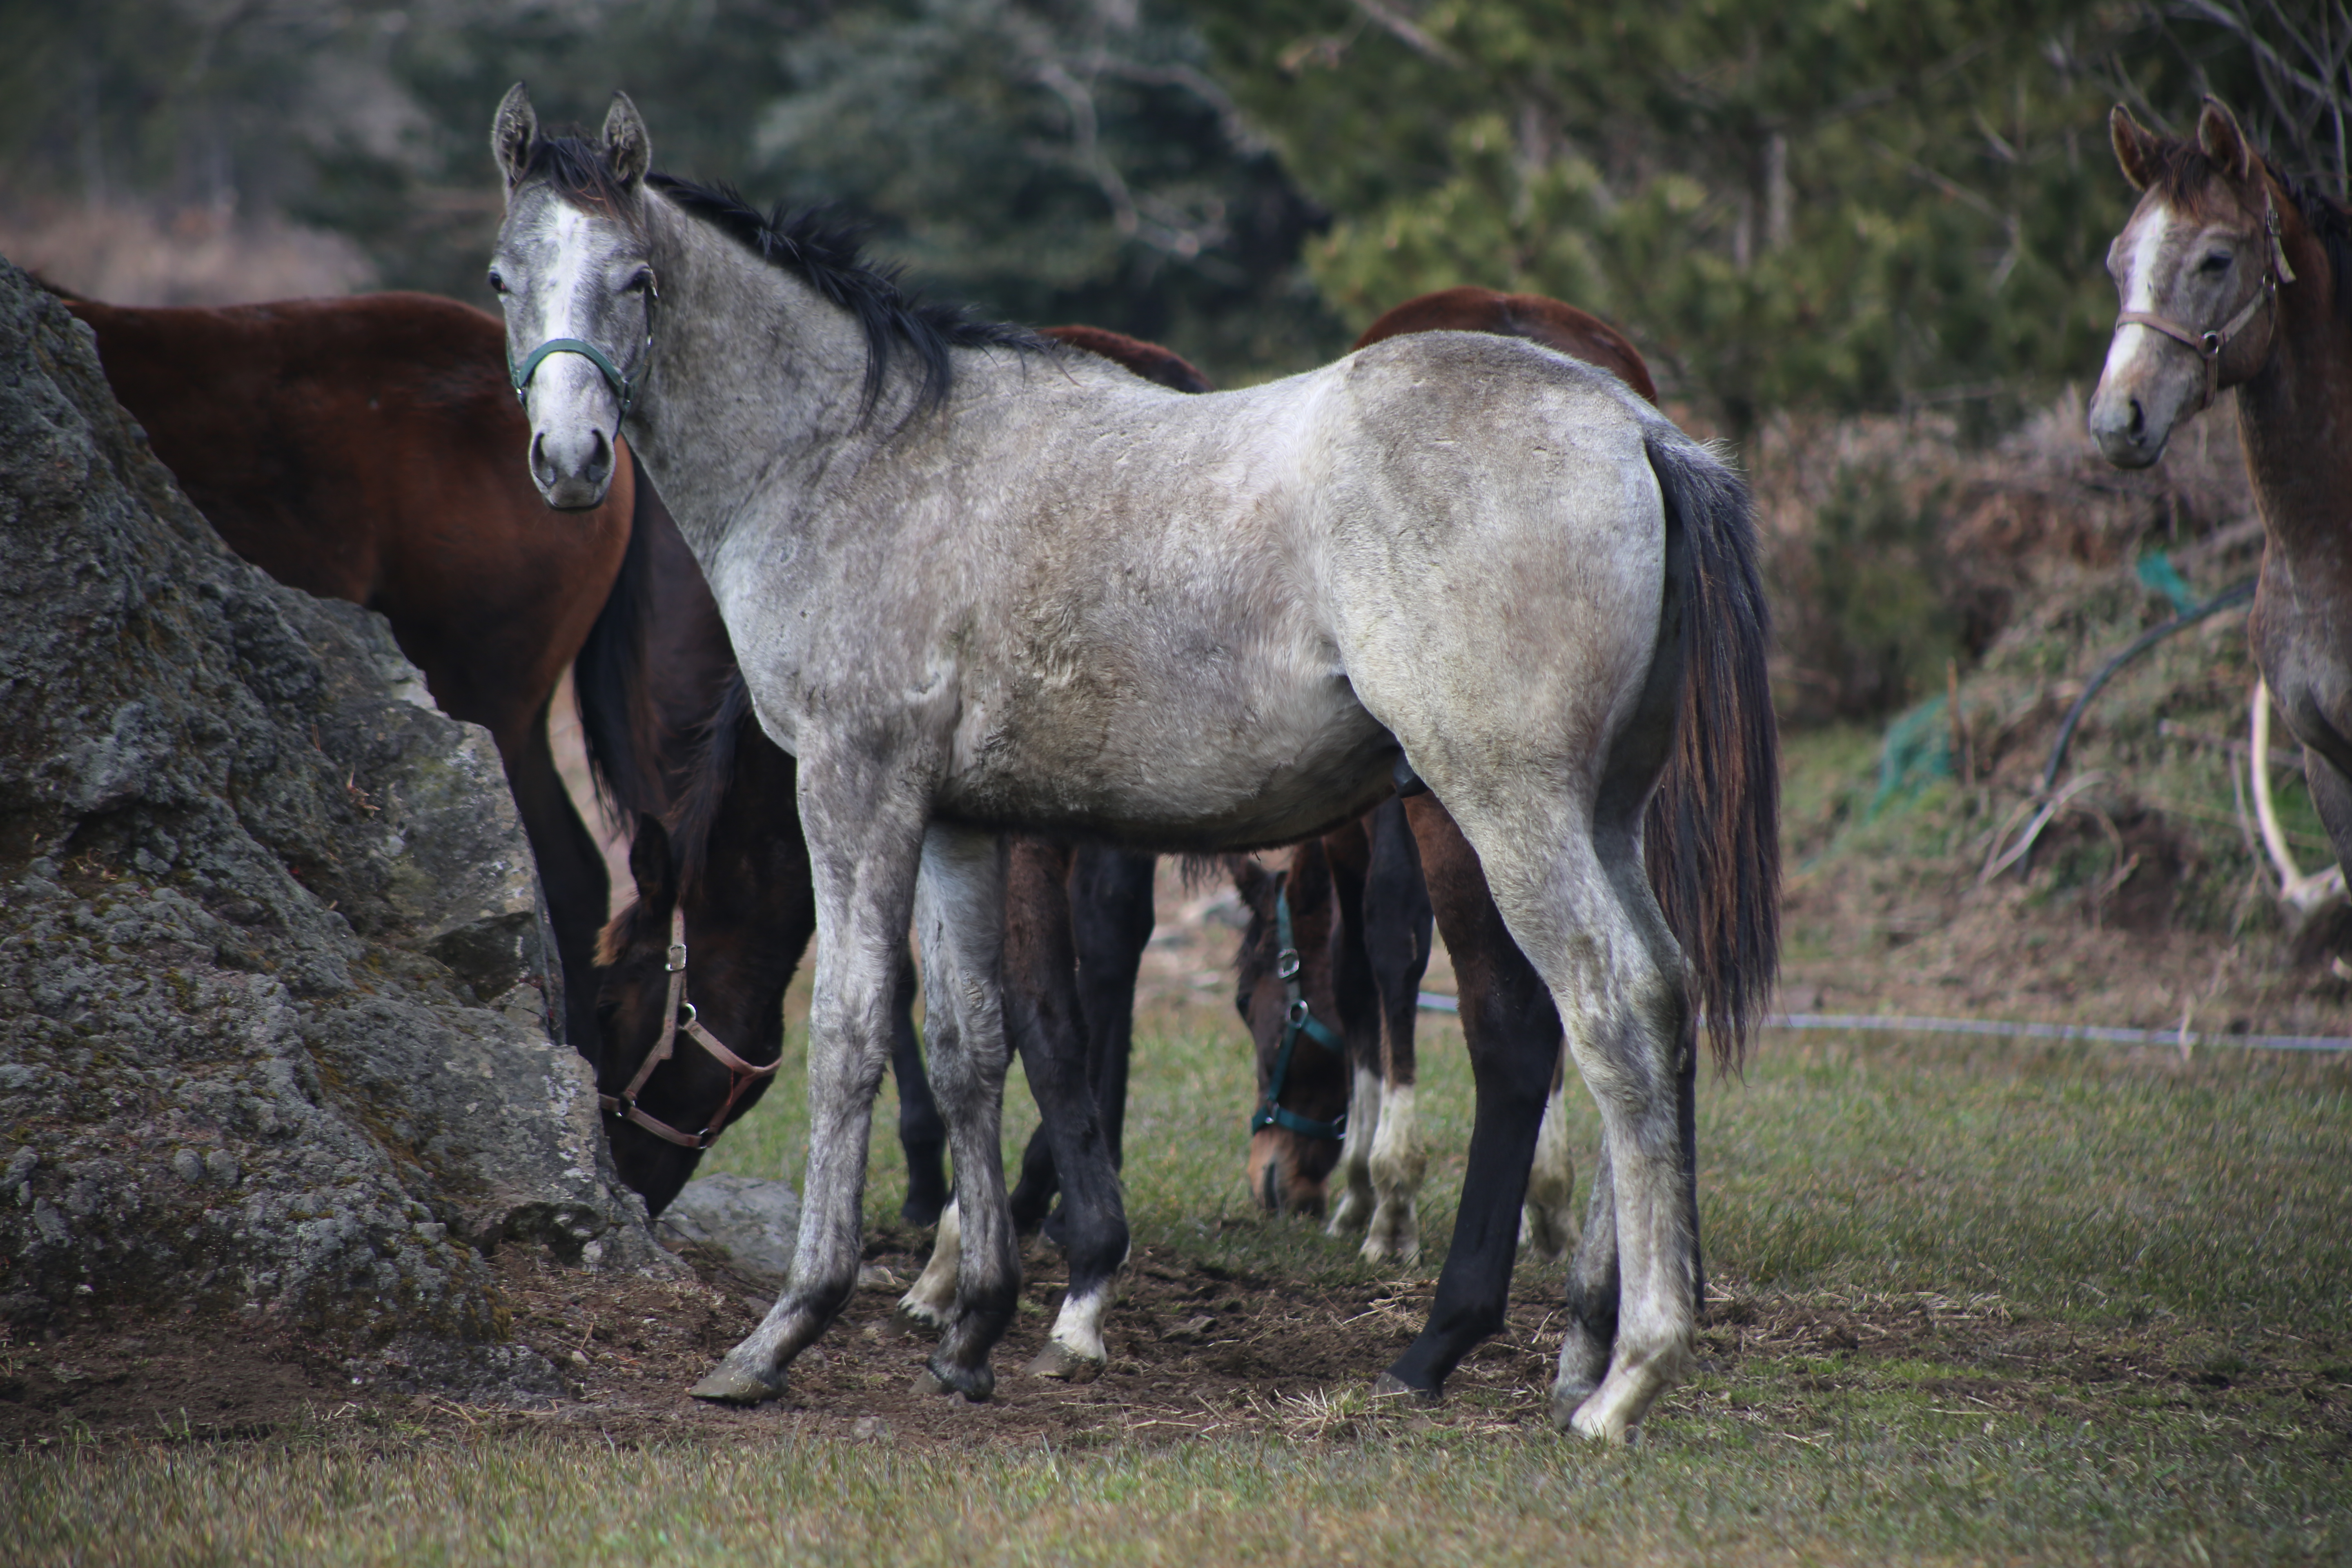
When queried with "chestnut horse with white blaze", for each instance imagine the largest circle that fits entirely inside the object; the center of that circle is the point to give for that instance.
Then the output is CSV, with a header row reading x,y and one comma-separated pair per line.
x,y
2233,277
979,582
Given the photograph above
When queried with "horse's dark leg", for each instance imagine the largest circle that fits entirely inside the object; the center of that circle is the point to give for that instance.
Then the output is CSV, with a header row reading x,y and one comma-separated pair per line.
x,y
570,873
1111,917
921,1133
1047,1023
1110,924
1513,1037
1395,926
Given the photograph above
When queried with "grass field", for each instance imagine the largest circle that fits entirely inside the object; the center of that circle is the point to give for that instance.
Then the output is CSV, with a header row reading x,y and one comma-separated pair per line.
x,y
1969,1304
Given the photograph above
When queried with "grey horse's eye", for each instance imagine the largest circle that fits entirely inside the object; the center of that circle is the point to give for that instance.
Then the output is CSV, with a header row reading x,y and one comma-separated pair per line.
x,y
2216,264
643,282
498,284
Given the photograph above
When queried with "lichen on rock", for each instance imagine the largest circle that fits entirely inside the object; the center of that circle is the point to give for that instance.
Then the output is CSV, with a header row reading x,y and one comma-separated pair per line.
x,y
275,1039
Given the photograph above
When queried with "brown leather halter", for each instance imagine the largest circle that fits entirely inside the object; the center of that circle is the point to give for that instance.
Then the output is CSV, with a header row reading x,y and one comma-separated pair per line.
x,y
2208,346
741,1074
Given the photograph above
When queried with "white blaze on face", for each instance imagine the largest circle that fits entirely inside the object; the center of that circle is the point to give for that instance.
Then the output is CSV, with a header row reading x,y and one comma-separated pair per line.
x,y
2143,272
565,310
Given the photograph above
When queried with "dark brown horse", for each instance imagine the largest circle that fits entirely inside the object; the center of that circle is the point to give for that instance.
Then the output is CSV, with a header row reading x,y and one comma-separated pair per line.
x,y
364,449
671,733
1361,902
2233,276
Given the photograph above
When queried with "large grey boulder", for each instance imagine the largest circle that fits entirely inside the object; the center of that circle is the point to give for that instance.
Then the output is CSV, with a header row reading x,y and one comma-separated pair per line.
x,y
274,1033
748,1224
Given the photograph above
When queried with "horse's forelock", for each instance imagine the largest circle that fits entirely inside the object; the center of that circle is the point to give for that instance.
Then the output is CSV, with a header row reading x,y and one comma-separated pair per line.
x,y
577,169
619,934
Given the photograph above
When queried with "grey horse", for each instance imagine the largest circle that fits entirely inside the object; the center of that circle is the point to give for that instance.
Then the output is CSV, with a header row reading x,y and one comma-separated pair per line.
x,y
977,582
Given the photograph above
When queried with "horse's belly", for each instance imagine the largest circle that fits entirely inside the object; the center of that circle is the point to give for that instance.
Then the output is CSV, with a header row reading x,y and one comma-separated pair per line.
x,y
1171,773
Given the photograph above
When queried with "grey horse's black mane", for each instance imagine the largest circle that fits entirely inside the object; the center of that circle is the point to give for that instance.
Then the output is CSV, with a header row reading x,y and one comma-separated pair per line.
x,y
824,250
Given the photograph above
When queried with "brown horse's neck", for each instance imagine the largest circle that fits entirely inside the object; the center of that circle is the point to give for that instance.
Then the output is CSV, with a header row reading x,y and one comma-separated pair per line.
x,y
2295,417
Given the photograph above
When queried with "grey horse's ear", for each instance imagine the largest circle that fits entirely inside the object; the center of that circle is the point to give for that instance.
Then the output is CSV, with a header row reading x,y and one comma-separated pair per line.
x,y
2135,147
513,132
2218,134
628,151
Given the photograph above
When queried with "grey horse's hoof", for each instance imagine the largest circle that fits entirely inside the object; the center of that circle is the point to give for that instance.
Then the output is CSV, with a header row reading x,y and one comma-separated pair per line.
x,y
1060,1361
1567,1398
1389,1385
729,1385
975,1384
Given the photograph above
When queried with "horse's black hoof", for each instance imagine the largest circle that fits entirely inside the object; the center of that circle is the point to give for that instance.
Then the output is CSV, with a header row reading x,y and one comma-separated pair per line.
x,y
922,1213
1389,1385
975,1384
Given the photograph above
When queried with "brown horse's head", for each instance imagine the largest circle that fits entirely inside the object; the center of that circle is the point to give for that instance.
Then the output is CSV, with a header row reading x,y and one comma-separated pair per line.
x,y
739,869
2196,269
1287,1169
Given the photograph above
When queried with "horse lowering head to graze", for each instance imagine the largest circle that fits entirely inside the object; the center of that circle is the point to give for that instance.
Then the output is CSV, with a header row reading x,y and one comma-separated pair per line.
x,y
980,583
1295,964
2232,275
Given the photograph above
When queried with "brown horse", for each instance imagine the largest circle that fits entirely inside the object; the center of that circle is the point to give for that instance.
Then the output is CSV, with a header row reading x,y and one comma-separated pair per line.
x,y
2233,276
364,449
1361,903
671,734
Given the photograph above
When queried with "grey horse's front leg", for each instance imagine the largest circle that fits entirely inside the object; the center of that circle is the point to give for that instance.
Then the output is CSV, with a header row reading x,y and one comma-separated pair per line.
x,y
865,882
960,919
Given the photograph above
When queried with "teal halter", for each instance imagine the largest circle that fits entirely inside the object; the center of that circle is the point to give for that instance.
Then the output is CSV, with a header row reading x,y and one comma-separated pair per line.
x,y
1298,1019
624,389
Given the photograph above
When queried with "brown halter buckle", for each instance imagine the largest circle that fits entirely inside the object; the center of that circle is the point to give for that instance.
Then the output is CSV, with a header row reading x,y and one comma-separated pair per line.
x,y
2208,346
679,1013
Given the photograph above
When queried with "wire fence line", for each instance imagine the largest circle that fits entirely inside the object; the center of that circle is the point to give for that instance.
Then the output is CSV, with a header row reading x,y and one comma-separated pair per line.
x,y
1431,1002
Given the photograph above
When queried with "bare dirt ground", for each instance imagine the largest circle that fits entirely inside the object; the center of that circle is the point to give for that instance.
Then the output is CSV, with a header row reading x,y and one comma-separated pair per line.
x,y
1195,1351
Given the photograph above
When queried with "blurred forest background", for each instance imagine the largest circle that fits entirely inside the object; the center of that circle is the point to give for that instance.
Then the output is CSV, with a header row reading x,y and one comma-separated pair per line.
x,y
1802,211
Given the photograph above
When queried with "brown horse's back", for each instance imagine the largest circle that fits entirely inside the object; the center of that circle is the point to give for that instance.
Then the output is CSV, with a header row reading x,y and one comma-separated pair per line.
x,y
368,448
1574,333
1150,361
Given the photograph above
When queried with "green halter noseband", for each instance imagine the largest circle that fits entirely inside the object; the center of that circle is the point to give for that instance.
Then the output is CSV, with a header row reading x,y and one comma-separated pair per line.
x,y
624,389
1298,1019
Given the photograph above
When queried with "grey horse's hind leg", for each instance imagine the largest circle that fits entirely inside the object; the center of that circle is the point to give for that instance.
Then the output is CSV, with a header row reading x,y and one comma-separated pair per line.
x,y
960,919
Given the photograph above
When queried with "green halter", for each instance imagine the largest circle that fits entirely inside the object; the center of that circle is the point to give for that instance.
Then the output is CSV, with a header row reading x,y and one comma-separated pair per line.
x,y
1297,1019
623,388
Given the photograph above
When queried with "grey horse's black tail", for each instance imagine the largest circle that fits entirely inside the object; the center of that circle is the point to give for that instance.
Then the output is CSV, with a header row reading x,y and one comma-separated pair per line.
x,y
1712,835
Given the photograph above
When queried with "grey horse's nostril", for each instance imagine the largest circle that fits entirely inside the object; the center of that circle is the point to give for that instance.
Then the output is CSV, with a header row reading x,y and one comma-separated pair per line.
x,y
2138,419
541,468
600,457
